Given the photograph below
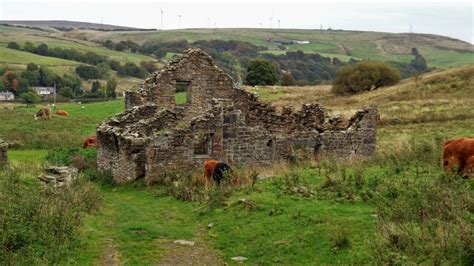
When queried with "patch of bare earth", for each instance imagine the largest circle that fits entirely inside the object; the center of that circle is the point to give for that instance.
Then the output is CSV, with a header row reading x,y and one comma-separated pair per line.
x,y
110,256
197,254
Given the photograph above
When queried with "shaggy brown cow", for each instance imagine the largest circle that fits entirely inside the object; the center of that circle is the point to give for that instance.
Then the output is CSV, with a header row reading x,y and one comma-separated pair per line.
x,y
459,154
43,113
215,171
90,142
62,113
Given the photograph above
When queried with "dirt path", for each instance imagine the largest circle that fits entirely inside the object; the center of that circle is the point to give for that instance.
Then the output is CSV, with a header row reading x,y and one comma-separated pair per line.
x,y
110,256
198,254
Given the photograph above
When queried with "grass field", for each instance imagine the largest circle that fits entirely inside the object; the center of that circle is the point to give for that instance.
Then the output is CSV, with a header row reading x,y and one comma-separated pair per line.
x,y
443,52
309,213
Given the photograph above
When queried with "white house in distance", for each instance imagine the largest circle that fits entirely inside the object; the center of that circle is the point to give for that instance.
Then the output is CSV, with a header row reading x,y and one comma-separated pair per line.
x,y
6,96
45,91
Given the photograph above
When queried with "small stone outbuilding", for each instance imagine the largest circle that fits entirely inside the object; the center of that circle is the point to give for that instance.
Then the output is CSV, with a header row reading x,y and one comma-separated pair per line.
x,y
192,111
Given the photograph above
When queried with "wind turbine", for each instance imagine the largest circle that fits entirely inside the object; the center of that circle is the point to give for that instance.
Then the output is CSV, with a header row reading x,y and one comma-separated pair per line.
x,y
271,22
161,11
278,23
179,21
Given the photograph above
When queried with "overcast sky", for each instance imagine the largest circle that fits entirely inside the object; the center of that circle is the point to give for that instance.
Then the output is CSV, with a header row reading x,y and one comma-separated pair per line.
x,y
454,19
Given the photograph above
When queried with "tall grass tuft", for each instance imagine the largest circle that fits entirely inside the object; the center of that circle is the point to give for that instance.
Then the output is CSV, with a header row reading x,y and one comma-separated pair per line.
x,y
421,220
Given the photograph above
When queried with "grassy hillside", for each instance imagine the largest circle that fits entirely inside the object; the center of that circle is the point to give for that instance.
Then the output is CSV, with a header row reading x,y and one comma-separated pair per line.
x,y
440,52
329,212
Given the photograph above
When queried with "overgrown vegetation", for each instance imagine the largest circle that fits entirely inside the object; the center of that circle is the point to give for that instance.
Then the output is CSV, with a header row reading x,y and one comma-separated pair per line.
x,y
40,225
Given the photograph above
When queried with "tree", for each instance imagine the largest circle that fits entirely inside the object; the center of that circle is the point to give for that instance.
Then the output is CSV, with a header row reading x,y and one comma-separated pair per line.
x,y
109,44
160,53
32,77
29,47
66,92
42,49
149,66
31,67
364,76
114,64
262,72
121,46
95,86
30,97
11,82
287,79
88,72
134,71
104,69
24,86
111,88
13,45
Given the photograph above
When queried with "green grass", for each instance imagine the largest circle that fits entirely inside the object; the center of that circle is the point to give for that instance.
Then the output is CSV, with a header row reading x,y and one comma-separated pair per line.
x,y
181,97
26,156
446,59
10,56
138,223
19,125
363,45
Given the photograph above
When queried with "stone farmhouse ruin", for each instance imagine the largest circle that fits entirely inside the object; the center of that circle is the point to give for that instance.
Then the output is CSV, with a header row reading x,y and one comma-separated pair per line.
x,y
157,134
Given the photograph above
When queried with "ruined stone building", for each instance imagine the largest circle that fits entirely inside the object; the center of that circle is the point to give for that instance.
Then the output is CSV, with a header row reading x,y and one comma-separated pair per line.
x,y
192,111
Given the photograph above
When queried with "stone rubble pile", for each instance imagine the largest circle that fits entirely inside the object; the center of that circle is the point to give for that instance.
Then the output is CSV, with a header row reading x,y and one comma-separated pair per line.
x,y
58,176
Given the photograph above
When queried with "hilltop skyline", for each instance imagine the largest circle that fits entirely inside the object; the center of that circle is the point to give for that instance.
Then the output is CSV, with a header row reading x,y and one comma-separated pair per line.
x,y
448,19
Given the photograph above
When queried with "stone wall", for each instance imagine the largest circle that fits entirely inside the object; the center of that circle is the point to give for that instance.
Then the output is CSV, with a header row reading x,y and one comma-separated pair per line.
x,y
156,136
3,153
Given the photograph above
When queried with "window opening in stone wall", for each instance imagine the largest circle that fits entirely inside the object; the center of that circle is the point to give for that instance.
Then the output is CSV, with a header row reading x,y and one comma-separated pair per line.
x,y
204,145
181,93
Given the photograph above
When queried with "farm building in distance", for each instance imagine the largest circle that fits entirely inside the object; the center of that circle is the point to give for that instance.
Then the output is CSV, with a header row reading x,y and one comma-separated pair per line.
x,y
45,91
192,111
6,96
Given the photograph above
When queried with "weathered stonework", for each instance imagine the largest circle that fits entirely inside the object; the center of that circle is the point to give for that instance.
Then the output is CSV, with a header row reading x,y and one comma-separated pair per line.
x,y
156,135
58,176
3,153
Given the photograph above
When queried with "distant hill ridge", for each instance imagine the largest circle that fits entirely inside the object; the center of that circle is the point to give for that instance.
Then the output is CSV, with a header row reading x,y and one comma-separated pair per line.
x,y
65,24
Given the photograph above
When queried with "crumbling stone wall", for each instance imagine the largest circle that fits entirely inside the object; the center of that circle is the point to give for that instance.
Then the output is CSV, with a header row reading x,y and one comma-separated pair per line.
x,y
156,136
3,153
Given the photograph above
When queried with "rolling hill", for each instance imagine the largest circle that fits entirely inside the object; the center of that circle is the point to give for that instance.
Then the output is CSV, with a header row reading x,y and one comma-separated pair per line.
x,y
65,24
440,52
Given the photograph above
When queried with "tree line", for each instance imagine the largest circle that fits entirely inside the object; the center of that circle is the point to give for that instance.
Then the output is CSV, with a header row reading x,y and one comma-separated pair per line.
x,y
98,63
67,86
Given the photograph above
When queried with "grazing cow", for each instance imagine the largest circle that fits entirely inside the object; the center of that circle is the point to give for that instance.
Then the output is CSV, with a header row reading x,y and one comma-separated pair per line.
x,y
459,154
43,113
215,171
62,113
90,142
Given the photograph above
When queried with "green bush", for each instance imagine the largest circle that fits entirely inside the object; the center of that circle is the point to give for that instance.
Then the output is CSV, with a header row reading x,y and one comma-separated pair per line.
x,y
68,156
39,226
88,72
262,72
364,76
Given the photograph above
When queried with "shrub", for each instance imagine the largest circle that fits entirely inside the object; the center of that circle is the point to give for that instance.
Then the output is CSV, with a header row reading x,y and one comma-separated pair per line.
x,y
364,76
66,156
262,72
